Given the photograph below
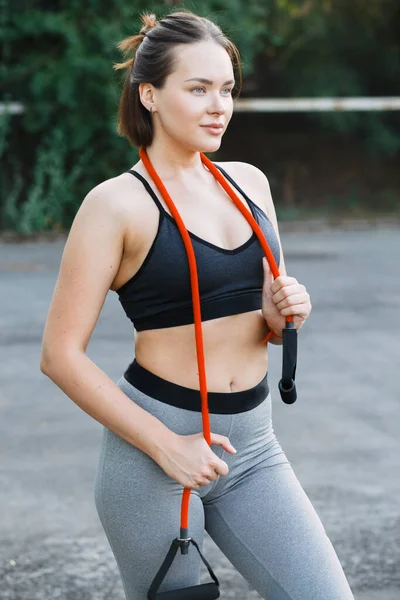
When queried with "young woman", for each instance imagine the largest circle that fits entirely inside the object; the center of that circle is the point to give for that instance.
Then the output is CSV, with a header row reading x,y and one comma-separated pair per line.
x,y
177,91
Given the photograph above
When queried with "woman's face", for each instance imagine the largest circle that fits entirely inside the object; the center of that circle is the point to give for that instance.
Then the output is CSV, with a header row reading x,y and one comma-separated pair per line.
x,y
183,107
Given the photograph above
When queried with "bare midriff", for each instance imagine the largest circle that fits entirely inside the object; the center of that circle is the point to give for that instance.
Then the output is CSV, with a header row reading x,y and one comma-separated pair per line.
x,y
235,358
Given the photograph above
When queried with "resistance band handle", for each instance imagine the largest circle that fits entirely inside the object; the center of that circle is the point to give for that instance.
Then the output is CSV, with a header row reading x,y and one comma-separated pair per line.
x,y
209,593
287,385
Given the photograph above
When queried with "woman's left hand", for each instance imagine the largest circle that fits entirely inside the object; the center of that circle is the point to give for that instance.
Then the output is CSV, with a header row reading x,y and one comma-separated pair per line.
x,y
282,297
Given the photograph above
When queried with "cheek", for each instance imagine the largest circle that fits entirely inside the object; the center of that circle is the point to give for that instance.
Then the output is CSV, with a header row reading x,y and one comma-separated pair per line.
x,y
192,107
178,111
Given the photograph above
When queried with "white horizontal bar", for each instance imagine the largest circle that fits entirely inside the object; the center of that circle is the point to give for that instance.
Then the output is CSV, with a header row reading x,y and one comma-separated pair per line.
x,y
284,104
315,104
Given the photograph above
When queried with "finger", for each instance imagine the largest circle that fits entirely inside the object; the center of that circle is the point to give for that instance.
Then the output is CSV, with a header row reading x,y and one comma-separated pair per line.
x,y
297,309
293,299
283,280
285,292
267,269
268,279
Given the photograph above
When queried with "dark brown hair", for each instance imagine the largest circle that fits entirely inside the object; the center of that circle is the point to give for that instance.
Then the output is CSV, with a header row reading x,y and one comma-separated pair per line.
x,y
154,59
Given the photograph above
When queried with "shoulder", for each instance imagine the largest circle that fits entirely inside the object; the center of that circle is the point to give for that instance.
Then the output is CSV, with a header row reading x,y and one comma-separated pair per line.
x,y
112,198
253,181
112,191
243,168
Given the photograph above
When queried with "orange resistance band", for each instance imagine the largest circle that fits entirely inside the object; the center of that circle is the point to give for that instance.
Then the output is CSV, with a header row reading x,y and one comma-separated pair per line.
x,y
195,288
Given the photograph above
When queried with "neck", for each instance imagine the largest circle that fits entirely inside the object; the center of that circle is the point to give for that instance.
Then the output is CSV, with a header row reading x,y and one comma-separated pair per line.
x,y
176,163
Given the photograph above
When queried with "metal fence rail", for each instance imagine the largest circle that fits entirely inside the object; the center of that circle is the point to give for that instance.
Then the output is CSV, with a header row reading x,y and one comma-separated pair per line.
x,y
315,104
283,104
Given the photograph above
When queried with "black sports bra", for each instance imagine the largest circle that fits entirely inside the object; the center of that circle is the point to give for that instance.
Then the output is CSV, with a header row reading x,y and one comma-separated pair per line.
x,y
230,281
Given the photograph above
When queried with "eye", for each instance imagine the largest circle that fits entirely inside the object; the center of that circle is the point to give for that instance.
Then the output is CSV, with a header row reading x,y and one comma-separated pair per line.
x,y
202,88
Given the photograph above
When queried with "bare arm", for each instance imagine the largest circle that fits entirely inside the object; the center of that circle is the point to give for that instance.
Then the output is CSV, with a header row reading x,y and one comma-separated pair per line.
x,y
89,264
262,185
270,210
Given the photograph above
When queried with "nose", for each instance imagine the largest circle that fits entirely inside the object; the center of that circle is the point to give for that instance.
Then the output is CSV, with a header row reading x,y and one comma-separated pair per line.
x,y
217,105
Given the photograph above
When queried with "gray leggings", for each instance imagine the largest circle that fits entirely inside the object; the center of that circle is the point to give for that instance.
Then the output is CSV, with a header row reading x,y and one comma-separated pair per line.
x,y
258,514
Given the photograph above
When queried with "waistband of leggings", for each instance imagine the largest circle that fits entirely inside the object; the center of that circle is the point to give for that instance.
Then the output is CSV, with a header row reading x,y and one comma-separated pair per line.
x,y
183,397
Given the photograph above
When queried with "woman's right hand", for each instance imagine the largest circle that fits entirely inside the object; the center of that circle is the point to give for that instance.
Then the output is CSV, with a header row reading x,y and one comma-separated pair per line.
x,y
190,461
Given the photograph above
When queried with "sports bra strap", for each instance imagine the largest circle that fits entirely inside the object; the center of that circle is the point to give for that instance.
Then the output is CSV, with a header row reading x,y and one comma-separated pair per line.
x,y
160,206
233,182
148,188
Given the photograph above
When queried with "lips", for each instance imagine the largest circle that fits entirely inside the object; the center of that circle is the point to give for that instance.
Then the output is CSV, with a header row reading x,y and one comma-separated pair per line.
x,y
213,126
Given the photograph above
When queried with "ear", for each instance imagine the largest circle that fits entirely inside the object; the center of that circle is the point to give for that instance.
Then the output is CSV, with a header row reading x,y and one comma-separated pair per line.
x,y
147,96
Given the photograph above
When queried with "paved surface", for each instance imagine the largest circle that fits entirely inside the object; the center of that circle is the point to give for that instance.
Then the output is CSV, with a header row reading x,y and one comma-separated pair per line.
x,y
341,436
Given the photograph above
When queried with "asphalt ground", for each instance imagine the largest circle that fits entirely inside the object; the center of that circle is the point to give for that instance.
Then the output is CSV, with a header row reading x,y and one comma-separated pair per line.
x,y
341,436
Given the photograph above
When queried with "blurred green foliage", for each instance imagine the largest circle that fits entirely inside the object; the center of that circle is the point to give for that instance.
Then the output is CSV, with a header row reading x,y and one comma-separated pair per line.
x,y
57,61
338,48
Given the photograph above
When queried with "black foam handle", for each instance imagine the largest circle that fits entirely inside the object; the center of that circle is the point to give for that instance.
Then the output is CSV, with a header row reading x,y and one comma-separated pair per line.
x,y
206,591
287,385
152,594
288,395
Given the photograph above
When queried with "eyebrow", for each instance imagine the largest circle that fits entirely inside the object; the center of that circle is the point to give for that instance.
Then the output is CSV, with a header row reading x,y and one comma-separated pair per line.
x,y
208,80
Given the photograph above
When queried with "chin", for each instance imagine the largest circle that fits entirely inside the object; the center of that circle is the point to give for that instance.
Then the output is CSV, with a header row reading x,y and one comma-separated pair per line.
x,y
212,146
202,145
